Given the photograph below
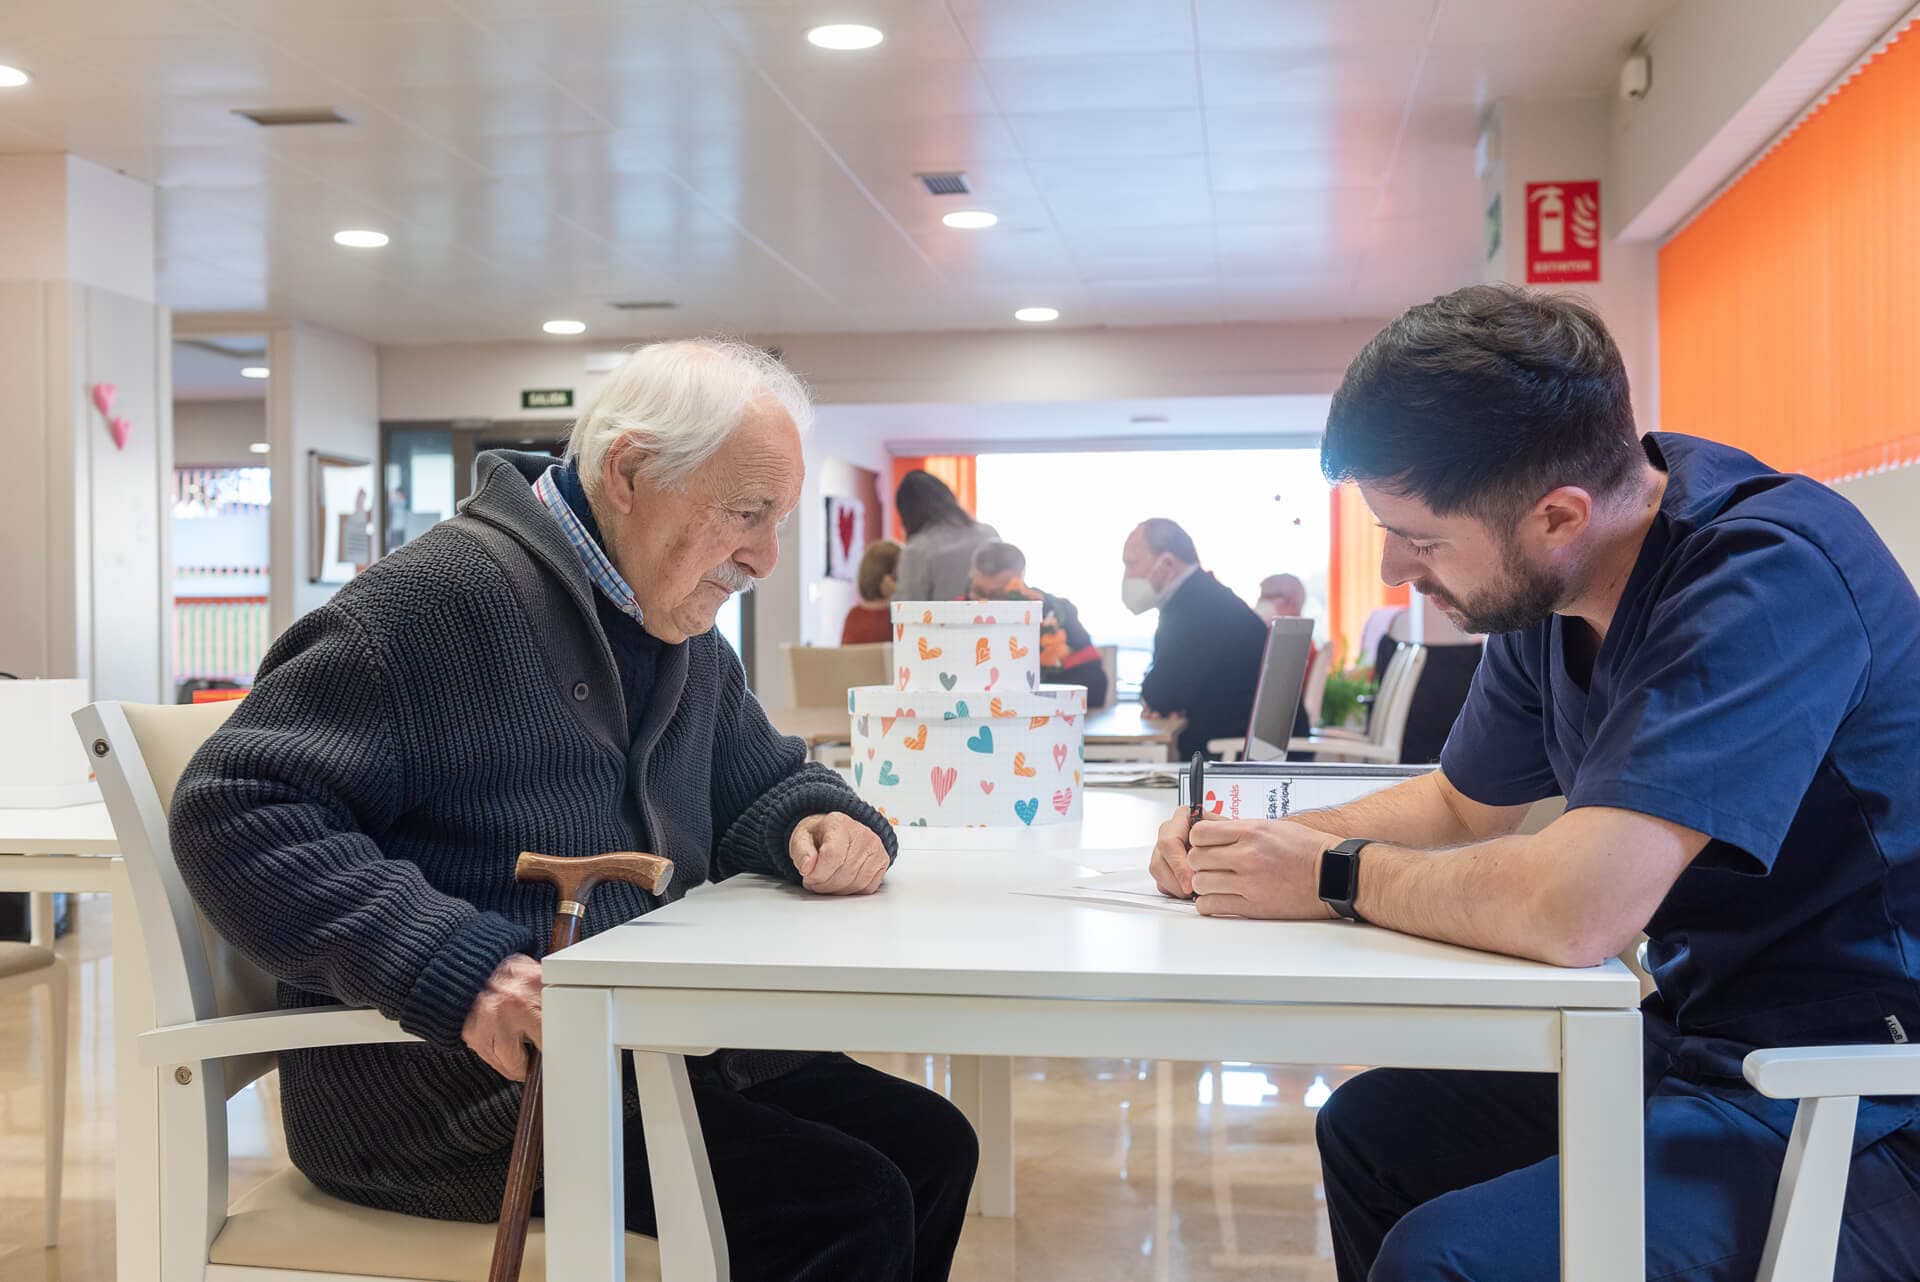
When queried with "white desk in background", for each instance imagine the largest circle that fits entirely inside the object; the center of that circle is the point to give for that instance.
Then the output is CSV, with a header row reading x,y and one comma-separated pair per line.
x,y
72,850
1125,726
951,956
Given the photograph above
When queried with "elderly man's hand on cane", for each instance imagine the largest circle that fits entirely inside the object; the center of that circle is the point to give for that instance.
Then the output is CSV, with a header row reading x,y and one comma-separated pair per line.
x,y
505,1017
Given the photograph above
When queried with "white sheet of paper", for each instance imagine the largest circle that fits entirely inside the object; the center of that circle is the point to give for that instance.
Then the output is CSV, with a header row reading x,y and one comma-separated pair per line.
x,y
1132,887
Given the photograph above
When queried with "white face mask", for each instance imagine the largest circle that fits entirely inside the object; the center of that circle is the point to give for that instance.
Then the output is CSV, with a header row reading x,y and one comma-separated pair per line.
x,y
1139,595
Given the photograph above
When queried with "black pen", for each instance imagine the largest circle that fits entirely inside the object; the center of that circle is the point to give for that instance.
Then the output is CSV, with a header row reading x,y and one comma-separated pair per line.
x,y
1196,800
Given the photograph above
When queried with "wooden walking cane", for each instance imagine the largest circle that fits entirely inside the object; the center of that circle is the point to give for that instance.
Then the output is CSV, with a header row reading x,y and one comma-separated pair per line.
x,y
574,879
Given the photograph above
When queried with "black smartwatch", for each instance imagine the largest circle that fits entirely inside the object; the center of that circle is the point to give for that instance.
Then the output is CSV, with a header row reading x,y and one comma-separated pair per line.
x,y
1340,877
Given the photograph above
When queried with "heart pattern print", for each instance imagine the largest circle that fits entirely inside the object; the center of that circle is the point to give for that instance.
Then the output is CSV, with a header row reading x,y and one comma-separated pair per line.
x,y
951,645
960,757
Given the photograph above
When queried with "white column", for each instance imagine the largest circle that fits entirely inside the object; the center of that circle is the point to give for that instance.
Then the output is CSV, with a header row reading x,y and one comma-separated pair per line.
x,y
83,579
1559,142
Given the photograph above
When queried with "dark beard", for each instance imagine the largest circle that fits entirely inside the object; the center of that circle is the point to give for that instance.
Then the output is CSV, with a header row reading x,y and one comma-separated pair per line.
x,y
1527,598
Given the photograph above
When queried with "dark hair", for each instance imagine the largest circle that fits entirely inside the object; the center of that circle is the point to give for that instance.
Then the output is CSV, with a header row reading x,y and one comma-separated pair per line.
x,y
881,558
923,499
1163,536
994,559
1484,400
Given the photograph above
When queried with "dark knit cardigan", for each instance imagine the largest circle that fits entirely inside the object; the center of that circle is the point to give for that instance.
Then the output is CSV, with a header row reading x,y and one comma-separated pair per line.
x,y
353,827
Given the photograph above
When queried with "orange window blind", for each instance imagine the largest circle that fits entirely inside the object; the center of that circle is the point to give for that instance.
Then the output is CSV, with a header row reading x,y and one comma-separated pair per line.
x,y
959,471
1789,307
1354,589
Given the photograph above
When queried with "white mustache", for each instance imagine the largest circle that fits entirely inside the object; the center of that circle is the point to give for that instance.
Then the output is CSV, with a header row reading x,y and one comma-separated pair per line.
x,y
732,576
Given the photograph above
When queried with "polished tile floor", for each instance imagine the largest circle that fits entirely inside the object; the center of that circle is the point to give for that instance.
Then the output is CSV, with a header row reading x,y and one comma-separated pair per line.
x,y
1127,1169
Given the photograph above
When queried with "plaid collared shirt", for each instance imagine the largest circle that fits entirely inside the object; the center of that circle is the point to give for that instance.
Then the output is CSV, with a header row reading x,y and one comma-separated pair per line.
x,y
601,570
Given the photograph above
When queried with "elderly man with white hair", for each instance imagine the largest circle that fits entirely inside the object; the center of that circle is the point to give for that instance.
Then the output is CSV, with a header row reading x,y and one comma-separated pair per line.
x,y
541,673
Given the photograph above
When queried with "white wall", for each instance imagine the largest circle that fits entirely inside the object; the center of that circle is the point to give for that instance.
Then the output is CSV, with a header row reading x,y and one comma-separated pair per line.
x,y
217,433
1570,141
485,380
1727,76
324,396
82,535
1891,502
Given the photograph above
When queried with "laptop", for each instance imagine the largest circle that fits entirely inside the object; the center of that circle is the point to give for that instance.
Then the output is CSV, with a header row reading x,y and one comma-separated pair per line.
x,y
1276,702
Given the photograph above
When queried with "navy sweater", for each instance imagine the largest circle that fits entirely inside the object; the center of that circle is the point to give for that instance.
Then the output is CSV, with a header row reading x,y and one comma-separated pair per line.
x,y
353,827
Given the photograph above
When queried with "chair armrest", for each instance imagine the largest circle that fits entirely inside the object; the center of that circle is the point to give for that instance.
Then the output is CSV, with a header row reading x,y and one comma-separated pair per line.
x,y
1227,749
1356,748
266,1032
1339,732
1801,1072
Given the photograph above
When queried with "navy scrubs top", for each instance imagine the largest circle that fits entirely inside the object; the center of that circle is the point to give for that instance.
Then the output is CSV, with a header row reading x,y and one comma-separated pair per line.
x,y
1760,684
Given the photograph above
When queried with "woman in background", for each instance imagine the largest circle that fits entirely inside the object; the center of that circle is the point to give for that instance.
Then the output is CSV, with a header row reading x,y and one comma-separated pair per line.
x,y
937,562
868,621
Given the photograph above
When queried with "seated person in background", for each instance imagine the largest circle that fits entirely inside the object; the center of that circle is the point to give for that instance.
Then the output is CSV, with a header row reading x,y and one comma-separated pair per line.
x,y
871,620
1282,596
1209,646
941,539
1718,665
541,673
1067,653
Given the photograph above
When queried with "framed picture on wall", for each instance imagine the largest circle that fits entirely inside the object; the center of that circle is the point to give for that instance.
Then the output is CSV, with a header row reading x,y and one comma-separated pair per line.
x,y
846,537
344,538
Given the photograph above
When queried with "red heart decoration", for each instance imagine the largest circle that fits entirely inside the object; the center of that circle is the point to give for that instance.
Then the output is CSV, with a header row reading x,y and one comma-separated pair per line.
x,y
1063,800
846,531
1059,756
121,429
103,394
986,786
943,777
905,676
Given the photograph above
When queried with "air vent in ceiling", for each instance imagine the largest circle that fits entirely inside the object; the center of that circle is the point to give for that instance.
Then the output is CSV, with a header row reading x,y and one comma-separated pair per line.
x,y
274,117
645,305
950,184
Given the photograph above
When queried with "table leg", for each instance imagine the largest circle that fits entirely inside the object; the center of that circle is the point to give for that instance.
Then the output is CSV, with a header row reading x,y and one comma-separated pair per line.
x,y
1602,1147
585,1185
693,1240
995,1129
136,1099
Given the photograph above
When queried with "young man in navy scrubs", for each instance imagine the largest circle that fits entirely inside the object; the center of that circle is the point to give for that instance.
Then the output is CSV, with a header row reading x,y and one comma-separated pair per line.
x,y
1716,664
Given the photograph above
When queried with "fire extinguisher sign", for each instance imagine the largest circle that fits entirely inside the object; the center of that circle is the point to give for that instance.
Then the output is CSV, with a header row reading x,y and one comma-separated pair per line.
x,y
1563,232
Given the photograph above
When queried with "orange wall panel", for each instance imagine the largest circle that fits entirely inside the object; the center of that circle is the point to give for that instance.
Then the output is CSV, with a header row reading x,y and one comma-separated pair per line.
x,y
1790,307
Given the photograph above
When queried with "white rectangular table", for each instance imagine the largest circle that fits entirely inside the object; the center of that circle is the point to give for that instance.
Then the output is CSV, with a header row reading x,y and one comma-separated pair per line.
x,y
948,957
73,850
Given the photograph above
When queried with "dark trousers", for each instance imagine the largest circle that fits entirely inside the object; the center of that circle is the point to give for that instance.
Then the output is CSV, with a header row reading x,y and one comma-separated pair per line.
x,y
1451,1177
834,1172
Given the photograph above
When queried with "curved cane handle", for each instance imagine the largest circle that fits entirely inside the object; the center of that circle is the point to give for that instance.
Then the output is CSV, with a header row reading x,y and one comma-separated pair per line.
x,y
576,878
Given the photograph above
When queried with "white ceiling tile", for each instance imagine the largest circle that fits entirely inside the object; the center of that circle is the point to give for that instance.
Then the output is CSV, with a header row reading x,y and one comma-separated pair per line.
x,y
1074,28
775,31
1315,25
1119,82
1377,75
1109,133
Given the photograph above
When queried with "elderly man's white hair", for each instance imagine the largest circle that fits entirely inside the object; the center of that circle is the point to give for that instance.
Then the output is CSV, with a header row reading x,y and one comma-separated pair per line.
x,y
679,402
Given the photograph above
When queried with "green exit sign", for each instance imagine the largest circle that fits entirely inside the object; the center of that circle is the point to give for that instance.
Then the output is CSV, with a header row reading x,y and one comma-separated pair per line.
x,y
547,398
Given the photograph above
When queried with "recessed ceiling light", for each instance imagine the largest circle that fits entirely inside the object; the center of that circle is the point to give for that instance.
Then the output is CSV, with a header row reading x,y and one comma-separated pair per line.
x,y
254,371
1037,315
260,447
360,238
13,77
565,327
970,219
845,36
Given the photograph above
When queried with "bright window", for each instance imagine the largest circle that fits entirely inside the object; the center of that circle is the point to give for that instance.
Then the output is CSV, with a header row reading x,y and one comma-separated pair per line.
x,y
1251,513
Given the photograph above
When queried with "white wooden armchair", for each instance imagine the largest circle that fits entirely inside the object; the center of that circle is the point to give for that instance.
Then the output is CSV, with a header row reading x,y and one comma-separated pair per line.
x,y
219,1029
1804,1234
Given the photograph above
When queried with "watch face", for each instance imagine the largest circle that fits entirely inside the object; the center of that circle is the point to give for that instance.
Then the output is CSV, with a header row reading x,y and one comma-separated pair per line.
x,y
1336,875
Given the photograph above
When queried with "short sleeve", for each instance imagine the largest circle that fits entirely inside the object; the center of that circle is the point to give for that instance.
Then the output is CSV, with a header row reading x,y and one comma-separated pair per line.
x,y
1719,721
1496,753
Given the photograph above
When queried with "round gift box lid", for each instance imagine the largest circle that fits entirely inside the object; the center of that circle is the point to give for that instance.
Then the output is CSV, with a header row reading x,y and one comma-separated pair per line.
x,y
1046,701
966,614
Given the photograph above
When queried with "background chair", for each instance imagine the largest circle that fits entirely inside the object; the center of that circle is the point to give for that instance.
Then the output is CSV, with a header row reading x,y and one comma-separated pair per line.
x,y
1386,728
219,1027
819,676
1313,696
33,965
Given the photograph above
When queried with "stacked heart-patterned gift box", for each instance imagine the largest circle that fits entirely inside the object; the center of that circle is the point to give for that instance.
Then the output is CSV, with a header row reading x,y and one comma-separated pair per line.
x,y
967,737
